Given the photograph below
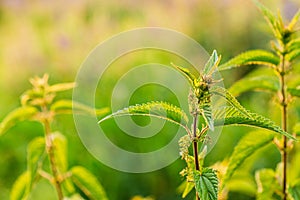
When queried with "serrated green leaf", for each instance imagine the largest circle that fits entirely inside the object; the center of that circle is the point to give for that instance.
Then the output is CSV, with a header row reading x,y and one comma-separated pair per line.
x,y
162,110
17,115
19,190
263,82
211,63
206,184
60,87
69,106
267,184
259,57
271,19
294,191
246,147
235,117
231,100
190,77
88,183
294,91
35,151
60,151
206,113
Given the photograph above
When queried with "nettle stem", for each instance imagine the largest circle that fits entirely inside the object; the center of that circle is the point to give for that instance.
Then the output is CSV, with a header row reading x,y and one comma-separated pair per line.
x,y
195,146
283,104
50,152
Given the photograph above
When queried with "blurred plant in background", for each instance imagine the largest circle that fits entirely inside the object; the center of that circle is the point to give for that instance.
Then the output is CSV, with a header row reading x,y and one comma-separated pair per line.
x,y
38,104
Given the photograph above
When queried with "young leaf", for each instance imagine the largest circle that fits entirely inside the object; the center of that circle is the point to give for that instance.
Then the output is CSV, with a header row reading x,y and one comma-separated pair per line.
x,y
69,106
211,63
60,87
291,56
35,151
222,92
206,113
190,77
294,44
162,110
263,82
206,184
295,191
267,184
185,188
17,115
246,147
19,190
294,20
259,57
294,91
88,183
60,151
271,19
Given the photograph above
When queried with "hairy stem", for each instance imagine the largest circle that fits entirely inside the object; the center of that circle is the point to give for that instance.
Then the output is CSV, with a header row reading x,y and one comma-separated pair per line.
x,y
195,146
50,152
284,127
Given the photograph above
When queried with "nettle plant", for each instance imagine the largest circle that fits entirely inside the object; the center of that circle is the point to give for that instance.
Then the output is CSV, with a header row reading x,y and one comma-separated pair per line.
x,y
279,77
47,155
205,117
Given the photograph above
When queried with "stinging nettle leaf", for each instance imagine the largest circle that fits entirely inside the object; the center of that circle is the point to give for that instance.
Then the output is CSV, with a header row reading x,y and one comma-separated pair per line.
x,y
259,57
249,144
17,115
69,107
206,113
35,152
162,110
263,82
274,23
19,190
231,100
234,117
211,63
88,183
206,184
190,77
60,151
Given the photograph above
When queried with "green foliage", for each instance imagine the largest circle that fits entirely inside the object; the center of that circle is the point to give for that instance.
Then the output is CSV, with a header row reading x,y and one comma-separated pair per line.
x,y
19,190
88,183
206,184
38,104
59,143
268,185
162,110
35,154
294,91
17,115
295,191
257,83
249,144
259,57
69,106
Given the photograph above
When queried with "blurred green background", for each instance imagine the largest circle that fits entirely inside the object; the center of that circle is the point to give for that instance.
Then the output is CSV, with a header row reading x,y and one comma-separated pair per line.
x,y
55,37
